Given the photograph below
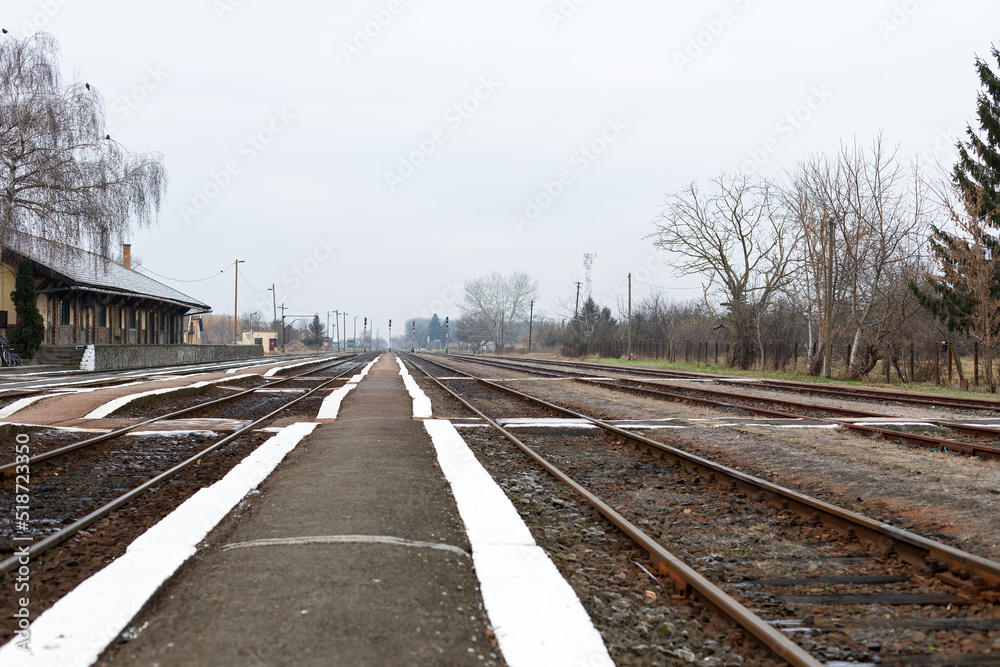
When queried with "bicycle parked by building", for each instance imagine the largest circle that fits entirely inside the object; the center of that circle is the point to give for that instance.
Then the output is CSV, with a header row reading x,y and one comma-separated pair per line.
x,y
8,355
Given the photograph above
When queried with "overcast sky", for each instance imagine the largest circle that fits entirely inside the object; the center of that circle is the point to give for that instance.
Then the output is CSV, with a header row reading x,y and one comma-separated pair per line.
x,y
370,157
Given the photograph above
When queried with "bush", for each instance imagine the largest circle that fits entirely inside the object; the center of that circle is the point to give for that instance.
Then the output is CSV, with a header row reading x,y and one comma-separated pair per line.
x,y
30,330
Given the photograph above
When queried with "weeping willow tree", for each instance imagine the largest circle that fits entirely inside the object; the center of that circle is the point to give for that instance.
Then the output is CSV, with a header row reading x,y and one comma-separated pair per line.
x,y
61,177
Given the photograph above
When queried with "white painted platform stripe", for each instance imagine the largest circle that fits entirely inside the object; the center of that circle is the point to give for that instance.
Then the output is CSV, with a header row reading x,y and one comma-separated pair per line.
x,y
535,613
421,404
77,628
20,404
118,403
330,407
274,370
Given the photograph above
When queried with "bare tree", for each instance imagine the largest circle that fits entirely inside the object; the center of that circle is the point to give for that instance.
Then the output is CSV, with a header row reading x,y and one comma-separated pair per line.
x,y
61,177
881,233
859,218
253,320
494,304
736,236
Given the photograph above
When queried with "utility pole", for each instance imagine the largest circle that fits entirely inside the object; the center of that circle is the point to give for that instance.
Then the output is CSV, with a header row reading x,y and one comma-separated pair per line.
x,y
274,304
531,318
576,311
630,317
283,308
336,325
345,330
829,301
236,289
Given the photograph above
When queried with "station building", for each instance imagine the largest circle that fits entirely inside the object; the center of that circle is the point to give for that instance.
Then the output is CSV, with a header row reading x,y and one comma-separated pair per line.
x,y
88,299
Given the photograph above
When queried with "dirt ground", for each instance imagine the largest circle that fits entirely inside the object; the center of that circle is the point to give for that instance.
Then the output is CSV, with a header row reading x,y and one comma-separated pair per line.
x,y
951,498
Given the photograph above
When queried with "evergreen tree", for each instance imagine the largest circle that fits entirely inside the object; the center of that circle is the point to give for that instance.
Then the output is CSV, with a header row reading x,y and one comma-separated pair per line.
x,y
30,330
435,330
976,177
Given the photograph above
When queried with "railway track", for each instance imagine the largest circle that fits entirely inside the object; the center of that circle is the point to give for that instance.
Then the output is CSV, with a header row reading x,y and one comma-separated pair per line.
x,y
729,400
866,583
98,501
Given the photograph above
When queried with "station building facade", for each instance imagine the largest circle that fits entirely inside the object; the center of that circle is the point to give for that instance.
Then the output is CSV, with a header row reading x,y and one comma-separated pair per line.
x,y
87,299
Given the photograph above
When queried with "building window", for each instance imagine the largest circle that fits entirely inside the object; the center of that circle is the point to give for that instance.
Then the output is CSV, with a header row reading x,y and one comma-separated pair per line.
x,y
131,318
64,312
3,319
102,315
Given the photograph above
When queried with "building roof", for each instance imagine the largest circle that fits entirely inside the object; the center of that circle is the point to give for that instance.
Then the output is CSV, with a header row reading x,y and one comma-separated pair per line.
x,y
81,268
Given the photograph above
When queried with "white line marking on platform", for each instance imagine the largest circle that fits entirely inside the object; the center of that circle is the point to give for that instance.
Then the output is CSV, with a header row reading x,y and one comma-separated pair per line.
x,y
330,407
344,539
118,403
421,404
20,404
77,628
535,613
271,372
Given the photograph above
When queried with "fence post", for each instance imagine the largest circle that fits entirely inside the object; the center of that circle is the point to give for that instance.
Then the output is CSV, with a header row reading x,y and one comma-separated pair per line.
x,y
947,351
937,364
975,362
913,376
716,354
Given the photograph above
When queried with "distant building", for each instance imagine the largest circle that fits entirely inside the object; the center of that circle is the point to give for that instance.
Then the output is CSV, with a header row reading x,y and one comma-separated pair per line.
x,y
85,298
267,339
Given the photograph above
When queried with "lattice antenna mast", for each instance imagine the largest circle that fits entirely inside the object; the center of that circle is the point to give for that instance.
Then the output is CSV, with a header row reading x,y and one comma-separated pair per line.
x,y
588,264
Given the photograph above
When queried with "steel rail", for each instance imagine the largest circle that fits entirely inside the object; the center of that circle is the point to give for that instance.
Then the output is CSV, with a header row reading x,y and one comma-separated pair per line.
x,y
910,439
68,532
878,394
685,578
6,468
974,574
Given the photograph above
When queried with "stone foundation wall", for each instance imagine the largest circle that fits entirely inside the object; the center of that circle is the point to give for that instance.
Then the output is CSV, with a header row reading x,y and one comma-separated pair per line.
x,y
123,357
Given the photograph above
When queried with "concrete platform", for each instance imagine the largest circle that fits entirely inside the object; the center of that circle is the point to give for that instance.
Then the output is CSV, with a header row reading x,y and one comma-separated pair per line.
x,y
366,559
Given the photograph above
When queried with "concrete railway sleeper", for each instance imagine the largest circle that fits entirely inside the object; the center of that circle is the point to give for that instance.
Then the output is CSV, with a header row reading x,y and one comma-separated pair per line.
x,y
39,547
686,580
727,401
974,574
976,579
61,453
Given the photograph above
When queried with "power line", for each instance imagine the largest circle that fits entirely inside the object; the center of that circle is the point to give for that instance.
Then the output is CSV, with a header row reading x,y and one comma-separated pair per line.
x,y
180,280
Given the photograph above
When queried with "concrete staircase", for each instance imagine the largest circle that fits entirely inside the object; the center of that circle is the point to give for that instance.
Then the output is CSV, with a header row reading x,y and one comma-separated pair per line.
x,y
60,355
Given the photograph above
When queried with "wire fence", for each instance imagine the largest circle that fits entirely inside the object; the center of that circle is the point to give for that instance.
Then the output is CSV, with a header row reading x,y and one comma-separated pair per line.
x,y
938,363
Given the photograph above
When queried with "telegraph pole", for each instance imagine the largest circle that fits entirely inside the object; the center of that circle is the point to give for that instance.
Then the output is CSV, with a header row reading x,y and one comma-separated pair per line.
x,y
630,317
531,317
236,290
576,311
274,304
283,309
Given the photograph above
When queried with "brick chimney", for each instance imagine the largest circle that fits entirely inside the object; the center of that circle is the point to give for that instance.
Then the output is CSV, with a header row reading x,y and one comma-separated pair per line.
x,y
127,255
